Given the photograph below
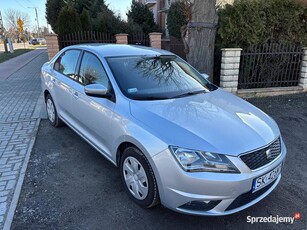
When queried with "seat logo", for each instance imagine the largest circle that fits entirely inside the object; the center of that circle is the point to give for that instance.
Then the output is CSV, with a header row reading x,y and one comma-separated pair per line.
x,y
268,154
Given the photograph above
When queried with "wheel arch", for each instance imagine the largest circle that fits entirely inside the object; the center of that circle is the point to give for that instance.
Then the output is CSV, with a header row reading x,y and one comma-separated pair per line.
x,y
122,146
131,142
46,93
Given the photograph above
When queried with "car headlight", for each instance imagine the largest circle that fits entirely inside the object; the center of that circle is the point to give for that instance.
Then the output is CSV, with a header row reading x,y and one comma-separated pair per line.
x,y
200,161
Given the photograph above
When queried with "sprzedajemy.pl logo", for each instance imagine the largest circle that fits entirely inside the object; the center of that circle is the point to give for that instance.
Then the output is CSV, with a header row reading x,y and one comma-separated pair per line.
x,y
273,219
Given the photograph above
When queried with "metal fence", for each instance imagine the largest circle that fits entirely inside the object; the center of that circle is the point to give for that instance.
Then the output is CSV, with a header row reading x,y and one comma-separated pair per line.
x,y
139,39
85,37
270,65
175,46
217,66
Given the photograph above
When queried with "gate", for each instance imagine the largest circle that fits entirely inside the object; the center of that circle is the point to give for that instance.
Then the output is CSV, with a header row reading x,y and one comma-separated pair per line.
x,y
175,46
85,37
139,38
270,65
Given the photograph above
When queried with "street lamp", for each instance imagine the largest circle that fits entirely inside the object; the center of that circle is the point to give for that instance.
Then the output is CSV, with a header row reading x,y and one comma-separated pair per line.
x,y
35,8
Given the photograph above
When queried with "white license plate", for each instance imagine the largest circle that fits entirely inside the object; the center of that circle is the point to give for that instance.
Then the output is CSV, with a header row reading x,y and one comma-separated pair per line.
x,y
266,179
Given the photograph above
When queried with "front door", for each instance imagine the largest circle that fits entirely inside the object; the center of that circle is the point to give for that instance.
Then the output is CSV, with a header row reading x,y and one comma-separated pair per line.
x,y
93,115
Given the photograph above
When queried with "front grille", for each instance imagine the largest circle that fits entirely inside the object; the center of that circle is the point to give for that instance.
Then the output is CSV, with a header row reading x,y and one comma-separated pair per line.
x,y
261,157
248,197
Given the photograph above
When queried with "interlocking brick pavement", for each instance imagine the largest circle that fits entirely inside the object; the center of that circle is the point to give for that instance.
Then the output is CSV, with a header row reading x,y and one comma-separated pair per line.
x,y
19,96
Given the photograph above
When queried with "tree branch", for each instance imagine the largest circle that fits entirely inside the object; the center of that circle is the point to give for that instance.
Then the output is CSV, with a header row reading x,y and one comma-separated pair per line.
x,y
184,31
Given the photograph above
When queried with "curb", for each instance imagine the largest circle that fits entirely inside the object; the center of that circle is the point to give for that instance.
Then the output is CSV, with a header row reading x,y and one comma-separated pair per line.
x,y
10,215
40,105
14,202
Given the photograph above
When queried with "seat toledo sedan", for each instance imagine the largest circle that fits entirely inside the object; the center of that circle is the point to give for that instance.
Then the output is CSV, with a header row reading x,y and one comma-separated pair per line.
x,y
176,138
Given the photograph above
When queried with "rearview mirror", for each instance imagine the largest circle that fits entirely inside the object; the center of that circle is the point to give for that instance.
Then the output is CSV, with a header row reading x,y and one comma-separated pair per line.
x,y
97,90
206,76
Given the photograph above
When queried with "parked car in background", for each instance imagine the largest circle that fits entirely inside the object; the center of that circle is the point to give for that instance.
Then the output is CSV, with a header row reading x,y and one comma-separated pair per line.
x,y
33,41
176,138
38,41
41,41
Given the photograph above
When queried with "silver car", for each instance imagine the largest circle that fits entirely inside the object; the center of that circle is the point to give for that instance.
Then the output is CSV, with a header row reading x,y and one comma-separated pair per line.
x,y
176,138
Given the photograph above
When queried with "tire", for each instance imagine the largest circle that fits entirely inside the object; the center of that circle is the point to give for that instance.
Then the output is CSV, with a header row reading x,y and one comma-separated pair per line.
x,y
52,114
139,181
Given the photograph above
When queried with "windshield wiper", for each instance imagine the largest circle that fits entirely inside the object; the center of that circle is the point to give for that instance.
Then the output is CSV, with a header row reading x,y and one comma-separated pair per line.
x,y
190,93
151,98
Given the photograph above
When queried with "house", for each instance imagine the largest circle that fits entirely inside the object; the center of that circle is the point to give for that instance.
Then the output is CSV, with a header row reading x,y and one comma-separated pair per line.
x,y
159,8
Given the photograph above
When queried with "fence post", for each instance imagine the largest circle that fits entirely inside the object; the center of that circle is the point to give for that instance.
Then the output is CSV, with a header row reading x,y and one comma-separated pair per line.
x,y
155,40
230,69
303,75
121,38
52,44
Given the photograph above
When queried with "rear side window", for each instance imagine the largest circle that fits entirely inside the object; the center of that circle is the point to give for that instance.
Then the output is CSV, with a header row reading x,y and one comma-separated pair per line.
x,y
92,71
67,62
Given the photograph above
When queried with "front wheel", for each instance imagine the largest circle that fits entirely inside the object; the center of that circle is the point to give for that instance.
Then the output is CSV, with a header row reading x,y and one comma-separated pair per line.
x,y
138,178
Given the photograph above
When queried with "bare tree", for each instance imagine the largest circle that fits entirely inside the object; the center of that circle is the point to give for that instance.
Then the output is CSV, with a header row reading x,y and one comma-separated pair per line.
x,y
11,17
221,3
199,34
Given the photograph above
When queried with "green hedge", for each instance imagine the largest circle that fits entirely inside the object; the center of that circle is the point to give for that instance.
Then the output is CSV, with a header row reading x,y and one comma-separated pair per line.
x,y
68,21
253,22
176,18
140,17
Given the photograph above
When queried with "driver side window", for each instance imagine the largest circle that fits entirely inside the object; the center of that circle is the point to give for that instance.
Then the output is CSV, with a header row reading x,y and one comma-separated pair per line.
x,y
92,71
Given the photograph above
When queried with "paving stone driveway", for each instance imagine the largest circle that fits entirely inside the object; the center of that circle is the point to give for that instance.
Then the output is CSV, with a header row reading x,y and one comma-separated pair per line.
x,y
19,119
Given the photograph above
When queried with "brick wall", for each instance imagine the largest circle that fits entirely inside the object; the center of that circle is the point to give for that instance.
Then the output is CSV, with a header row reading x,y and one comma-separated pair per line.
x,y
230,69
303,79
155,40
121,38
52,45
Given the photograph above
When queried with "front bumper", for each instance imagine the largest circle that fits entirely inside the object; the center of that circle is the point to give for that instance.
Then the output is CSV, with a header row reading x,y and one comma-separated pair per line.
x,y
224,193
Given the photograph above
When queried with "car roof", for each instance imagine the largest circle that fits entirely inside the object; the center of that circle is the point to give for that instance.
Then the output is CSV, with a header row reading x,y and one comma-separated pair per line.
x,y
117,50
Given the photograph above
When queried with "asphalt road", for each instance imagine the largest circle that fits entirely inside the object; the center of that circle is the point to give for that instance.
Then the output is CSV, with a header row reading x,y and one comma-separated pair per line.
x,y
69,185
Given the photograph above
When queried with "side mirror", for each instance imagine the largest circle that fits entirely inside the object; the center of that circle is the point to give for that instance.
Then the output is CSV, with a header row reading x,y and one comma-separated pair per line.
x,y
97,90
206,76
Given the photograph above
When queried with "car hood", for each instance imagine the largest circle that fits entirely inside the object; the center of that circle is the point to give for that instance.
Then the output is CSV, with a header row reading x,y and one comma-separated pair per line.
x,y
217,122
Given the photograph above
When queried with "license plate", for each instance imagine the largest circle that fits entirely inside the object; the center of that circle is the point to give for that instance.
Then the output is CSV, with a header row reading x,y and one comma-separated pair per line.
x,y
266,179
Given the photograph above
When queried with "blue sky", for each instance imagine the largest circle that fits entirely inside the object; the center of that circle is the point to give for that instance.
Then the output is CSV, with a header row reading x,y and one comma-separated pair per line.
x,y
118,6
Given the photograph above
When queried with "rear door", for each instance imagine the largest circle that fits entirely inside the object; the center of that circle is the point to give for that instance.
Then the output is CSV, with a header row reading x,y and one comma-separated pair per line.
x,y
64,79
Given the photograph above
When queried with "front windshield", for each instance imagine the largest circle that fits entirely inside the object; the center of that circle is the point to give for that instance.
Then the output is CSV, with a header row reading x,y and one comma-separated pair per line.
x,y
156,77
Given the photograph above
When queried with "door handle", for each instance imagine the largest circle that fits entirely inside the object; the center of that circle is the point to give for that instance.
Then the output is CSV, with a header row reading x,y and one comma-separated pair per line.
x,y
76,95
53,80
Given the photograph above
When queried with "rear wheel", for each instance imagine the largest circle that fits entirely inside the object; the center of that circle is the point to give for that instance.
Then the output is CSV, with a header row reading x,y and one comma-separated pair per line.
x,y
52,112
138,178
